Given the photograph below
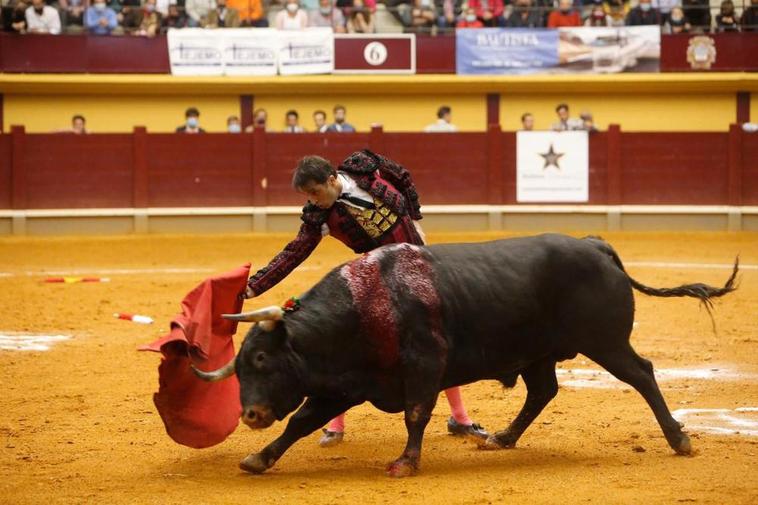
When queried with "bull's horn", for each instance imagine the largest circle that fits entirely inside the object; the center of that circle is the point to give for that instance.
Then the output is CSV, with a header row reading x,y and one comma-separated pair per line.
x,y
272,313
216,375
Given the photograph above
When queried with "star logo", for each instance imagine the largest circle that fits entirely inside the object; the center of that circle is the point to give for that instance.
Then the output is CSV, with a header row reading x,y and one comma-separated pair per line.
x,y
551,158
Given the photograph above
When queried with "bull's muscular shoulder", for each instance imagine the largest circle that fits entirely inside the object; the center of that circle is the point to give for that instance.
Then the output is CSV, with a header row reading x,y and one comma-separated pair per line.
x,y
360,163
314,215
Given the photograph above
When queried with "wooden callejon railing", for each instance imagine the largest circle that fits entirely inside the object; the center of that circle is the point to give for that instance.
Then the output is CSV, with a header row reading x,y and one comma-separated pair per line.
x,y
155,170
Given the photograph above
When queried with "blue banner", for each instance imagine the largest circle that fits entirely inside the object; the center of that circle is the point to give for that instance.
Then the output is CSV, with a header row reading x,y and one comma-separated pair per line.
x,y
505,51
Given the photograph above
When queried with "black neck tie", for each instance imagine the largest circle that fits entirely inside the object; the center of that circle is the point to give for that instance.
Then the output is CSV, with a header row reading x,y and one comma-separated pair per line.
x,y
357,201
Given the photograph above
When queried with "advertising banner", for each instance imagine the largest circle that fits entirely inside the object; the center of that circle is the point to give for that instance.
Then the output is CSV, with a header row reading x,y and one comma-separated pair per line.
x,y
552,166
308,51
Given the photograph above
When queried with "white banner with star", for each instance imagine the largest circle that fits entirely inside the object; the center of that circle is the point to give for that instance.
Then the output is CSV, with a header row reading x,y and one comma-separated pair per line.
x,y
552,166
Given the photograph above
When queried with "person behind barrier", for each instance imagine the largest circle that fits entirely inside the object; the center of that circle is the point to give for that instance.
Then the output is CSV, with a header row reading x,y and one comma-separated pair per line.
x,y
41,18
443,124
99,19
340,125
326,15
222,16
191,123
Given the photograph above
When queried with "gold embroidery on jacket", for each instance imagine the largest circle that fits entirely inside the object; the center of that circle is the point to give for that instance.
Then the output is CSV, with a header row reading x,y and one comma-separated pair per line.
x,y
375,221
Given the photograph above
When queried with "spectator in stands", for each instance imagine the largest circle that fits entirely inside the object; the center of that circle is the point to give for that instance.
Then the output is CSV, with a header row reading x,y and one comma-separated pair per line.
x,y
423,15
125,9
251,12
677,23
449,11
565,15
524,15
588,122
327,15
469,20
291,121
643,14
360,19
698,13
726,19
72,13
233,124
191,123
41,18
664,7
222,17
176,18
527,121
78,125
100,19
443,123
749,20
17,22
292,17
197,10
565,123
319,119
617,11
598,17
260,117
340,125
144,22
489,12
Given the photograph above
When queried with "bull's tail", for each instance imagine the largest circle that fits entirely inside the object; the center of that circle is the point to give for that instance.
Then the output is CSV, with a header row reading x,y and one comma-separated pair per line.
x,y
702,292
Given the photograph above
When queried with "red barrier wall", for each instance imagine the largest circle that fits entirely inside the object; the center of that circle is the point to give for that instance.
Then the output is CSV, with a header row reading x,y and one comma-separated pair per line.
x,y
44,171
434,55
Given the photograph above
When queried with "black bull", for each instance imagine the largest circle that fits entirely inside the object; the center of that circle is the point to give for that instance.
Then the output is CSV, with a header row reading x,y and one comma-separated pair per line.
x,y
404,322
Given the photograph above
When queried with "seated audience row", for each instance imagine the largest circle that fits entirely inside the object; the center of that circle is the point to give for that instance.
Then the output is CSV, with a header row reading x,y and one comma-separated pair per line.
x,y
148,17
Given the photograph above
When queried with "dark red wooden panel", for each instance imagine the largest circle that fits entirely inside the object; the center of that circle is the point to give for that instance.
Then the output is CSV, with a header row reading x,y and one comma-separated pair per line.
x,y
144,55
750,168
44,53
207,170
448,168
734,52
435,55
509,167
78,171
283,150
5,172
598,168
674,168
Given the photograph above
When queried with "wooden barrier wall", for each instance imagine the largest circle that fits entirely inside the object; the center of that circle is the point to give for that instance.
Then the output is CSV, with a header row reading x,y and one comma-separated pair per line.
x,y
140,170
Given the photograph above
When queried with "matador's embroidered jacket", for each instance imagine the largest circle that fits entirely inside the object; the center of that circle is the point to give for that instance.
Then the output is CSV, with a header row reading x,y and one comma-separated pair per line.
x,y
396,206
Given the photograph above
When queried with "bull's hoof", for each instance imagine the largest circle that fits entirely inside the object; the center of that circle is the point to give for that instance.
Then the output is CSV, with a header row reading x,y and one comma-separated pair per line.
x,y
402,467
493,444
254,463
684,447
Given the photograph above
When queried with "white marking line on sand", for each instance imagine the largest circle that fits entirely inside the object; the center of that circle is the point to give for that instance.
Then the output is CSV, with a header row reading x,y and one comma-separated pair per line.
x,y
740,421
124,271
29,342
589,378
664,264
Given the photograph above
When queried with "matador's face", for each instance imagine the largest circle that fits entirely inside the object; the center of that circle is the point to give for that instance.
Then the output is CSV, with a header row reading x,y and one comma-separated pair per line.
x,y
322,195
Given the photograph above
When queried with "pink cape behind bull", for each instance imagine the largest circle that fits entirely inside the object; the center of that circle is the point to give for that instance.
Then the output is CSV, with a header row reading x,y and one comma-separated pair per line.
x,y
196,413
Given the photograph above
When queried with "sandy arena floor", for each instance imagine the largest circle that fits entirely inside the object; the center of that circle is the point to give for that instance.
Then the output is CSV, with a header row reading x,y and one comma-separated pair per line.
x,y
78,423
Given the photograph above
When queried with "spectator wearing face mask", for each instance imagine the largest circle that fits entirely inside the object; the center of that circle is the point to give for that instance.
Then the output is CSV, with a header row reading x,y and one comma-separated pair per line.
x,y
292,17
598,17
222,16
643,14
749,20
99,19
726,19
566,15
233,124
41,18
469,20
327,15
191,122
664,7
524,15
146,21
676,21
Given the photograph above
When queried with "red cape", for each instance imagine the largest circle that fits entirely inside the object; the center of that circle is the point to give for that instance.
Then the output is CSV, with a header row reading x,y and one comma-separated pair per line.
x,y
196,413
